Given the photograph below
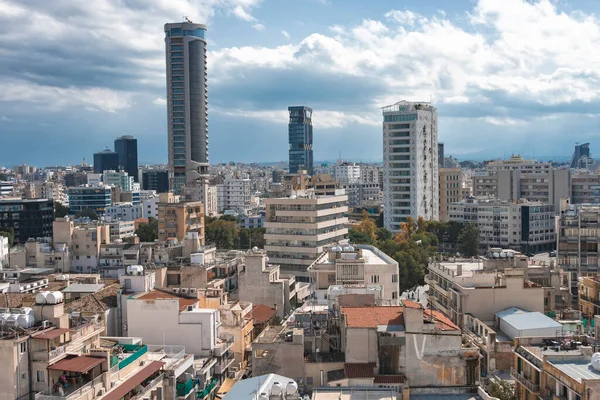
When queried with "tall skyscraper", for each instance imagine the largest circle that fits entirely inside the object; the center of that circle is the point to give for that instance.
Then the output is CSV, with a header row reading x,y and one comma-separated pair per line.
x,y
187,107
106,160
300,133
440,155
126,148
581,153
410,163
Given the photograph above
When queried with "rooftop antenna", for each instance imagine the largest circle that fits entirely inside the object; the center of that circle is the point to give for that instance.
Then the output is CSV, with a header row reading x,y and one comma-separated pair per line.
x,y
187,19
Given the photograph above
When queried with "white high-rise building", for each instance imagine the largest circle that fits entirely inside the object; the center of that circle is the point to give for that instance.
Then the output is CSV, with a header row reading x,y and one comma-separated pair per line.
x,y
410,163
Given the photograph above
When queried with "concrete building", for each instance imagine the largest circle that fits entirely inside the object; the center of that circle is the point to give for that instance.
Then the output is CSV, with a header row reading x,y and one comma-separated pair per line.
x,y
124,212
126,149
187,107
4,249
410,163
589,296
86,197
150,207
346,173
483,287
177,219
355,265
260,283
212,207
251,388
27,218
450,182
237,322
299,228
300,135
119,178
523,225
363,194
234,194
518,178
86,242
585,187
120,229
155,179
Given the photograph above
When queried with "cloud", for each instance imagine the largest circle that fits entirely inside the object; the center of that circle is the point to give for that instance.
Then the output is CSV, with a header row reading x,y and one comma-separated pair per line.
x,y
259,27
287,35
4,118
404,17
160,101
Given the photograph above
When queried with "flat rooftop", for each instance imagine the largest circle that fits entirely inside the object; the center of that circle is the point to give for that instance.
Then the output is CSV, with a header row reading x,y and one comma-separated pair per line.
x,y
468,266
576,369
83,288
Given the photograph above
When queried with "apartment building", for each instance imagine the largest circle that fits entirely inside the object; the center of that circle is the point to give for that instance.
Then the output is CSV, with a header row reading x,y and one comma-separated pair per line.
x,y
86,241
363,194
483,287
450,181
234,194
212,201
42,253
124,212
585,187
87,197
346,173
298,229
523,225
121,229
553,372
589,296
355,265
27,218
518,178
177,219
4,249
237,321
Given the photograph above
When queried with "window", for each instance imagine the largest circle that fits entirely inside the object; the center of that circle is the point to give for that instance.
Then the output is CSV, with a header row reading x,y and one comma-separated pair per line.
x,y
374,278
394,278
22,347
41,376
394,295
309,380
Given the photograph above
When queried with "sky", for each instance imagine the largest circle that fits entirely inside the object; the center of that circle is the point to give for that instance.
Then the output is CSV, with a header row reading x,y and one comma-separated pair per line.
x,y
510,76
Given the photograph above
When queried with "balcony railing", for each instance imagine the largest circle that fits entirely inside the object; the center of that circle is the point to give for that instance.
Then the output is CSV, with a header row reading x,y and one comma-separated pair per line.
x,y
75,392
225,345
144,391
532,387
225,362
49,356
590,300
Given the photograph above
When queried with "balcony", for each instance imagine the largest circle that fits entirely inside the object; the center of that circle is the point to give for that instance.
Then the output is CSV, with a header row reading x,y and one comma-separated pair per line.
x,y
144,391
225,362
226,343
50,356
208,390
532,387
185,388
589,300
84,391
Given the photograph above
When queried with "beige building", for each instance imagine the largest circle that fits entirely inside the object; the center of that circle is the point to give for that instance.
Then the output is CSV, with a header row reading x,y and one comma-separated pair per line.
x,y
355,265
236,321
298,229
177,219
86,242
585,188
451,190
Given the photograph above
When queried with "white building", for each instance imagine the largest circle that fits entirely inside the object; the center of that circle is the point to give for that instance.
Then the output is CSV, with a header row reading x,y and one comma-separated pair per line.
x,y
362,193
234,194
150,207
526,226
121,178
4,251
347,173
355,265
94,179
410,163
124,212
121,229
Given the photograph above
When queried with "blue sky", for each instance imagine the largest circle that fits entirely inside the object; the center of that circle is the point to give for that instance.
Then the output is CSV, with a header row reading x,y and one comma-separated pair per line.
x,y
510,76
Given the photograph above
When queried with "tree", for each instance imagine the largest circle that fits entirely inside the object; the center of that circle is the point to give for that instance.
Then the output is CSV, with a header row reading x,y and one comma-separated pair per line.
x,y
148,232
87,213
366,226
230,218
60,210
383,234
422,224
252,237
468,241
9,233
357,237
503,390
407,229
225,234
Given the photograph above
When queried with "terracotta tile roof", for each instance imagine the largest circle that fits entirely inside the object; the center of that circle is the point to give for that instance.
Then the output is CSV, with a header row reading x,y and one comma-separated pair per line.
x,y
98,302
389,379
262,313
371,317
366,370
442,322
411,304
14,300
160,295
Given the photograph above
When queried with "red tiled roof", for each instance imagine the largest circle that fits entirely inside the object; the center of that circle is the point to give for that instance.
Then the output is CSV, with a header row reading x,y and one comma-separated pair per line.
x,y
159,295
371,317
355,370
262,313
389,379
441,321
411,304
52,334
130,384
79,364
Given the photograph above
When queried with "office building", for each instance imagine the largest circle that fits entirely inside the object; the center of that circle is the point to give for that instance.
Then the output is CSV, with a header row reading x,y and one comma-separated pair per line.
x,y
580,155
106,160
121,179
86,197
363,194
157,180
585,188
525,226
175,220
187,106
410,163
299,228
6,188
450,182
28,218
300,135
441,155
126,149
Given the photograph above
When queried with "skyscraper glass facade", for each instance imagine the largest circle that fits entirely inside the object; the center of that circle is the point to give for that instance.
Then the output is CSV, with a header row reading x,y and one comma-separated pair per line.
x,y
300,133
126,149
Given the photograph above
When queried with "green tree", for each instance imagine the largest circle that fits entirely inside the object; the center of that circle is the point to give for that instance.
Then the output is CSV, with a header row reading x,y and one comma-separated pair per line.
x,y
357,237
225,234
252,237
87,213
148,232
230,218
366,226
9,233
383,234
60,210
503,390
468,241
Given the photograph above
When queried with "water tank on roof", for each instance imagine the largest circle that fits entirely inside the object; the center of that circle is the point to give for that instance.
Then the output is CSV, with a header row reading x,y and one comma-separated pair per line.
x,y
263,396
135,270
197,258
61,277
291,388
3,318
26,310
276,389
40,298
25,321
336,248
54,298
596,361
11,320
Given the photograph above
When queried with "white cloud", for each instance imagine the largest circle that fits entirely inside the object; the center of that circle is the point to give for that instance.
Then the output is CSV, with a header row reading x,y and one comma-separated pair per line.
x,y
4,118
159,101
284,33
259,26
403,17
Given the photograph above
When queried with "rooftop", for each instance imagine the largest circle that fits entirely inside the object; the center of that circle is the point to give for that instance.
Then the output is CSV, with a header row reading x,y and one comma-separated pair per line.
x,y
577,369
251,388
262,313
372,317
160,295
97,302
83,288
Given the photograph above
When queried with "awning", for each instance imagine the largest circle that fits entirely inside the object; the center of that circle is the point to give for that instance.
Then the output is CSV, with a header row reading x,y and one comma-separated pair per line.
x,y
130,384
53,334
225,386
79,364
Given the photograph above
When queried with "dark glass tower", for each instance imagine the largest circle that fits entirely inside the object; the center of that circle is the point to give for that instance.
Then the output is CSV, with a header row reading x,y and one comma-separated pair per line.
x,y
126,148
106,160
581,150
300,133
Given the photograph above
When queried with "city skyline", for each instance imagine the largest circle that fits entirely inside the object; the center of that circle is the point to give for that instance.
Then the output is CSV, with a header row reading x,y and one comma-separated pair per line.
x,y
342,66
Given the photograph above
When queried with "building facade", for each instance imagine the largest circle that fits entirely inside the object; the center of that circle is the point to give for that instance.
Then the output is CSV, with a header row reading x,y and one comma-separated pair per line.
x,y
106,160
585,188
126,149
157,180
175,220
119,178
450,182
187,105
234,194
94,198
300,135
410,163
27,218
